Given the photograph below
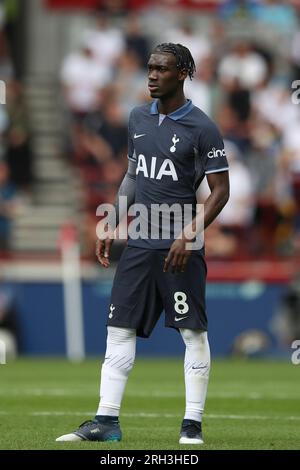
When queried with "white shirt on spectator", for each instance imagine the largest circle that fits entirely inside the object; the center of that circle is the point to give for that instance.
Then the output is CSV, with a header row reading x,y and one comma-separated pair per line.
x,y
107,45
239,209
274,104
83,77
249,70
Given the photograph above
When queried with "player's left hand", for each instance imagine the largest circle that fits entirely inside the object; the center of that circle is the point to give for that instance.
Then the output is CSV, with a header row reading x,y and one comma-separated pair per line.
x,y
177,257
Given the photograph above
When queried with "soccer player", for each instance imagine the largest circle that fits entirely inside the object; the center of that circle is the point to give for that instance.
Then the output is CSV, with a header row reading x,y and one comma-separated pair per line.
x,y
173,145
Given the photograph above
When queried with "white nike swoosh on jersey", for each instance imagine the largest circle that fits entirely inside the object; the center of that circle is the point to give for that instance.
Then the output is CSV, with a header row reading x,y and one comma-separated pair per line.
x,y
136,136
180,318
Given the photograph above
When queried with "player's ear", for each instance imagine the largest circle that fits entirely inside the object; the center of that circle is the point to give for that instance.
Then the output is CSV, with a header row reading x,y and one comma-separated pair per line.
x,y
182,75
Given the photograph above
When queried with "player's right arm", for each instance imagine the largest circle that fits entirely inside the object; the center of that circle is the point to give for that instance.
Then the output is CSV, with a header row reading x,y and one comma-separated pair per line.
x,y
127,189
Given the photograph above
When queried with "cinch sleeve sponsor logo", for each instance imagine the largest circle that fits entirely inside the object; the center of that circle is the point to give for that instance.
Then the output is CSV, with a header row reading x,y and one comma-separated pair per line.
x,y
214,153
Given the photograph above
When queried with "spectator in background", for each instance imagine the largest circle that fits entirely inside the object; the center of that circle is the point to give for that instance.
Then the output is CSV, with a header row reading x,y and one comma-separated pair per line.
x,y
103,190
83,77
237,215
242,67
203,90
104,144
295,56
272,102
290,169
237,9
231,127
295,51
240,72
262,162
4,123
185,33
236,218
105,42
135,40
106,130
2,13
18,154
6,65
8,206
128,86
276,14
12,31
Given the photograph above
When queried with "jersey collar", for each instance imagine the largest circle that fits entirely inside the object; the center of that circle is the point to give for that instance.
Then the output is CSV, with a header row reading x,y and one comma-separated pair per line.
x,y
176,115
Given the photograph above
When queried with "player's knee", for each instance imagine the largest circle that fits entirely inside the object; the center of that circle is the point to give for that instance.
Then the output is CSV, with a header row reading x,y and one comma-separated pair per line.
x,y
194,338
118,336
120,351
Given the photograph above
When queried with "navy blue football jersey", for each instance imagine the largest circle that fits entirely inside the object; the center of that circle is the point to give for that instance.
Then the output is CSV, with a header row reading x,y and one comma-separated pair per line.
x,y
173,153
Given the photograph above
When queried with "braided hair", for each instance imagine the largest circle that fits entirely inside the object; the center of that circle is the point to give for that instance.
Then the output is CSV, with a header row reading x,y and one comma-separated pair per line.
x,y
184,59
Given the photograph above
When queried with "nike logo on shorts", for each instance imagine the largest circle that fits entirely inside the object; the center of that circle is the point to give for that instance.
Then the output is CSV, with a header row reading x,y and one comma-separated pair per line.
x,y
180,318
136,136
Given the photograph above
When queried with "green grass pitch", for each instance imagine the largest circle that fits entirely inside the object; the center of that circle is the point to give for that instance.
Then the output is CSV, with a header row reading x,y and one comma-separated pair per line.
x,y
250,404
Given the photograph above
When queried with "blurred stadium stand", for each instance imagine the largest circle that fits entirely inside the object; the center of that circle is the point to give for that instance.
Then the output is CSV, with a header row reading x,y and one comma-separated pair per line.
x,y
63,150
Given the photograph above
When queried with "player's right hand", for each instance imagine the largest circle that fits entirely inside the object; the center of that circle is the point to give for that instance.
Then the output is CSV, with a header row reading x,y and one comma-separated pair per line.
x,y
103,251
103,246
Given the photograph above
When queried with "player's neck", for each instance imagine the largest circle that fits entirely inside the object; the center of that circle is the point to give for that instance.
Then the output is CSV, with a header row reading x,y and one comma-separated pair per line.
x,y
169,105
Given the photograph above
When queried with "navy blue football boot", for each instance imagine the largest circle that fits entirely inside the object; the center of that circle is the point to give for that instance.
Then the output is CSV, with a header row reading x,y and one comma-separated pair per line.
x,y
99,429
191,432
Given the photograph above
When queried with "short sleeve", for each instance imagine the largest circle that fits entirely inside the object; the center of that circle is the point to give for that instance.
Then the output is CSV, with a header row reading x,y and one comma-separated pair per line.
x,y
212,151
131,151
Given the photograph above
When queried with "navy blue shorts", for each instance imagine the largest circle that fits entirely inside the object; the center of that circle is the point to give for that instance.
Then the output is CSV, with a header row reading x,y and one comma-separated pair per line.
x,y
141,291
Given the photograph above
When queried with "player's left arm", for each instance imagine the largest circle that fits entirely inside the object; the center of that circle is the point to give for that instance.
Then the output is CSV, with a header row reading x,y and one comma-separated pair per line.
x,y
179,253
219,186
212,161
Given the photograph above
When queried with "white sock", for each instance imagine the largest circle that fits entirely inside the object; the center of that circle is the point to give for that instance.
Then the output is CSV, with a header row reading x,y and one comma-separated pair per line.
x,y
196,371
119,360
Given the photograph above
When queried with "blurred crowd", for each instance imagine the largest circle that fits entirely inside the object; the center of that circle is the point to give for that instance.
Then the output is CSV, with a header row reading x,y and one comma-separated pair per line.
x,y
247,55
15,149
243,81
